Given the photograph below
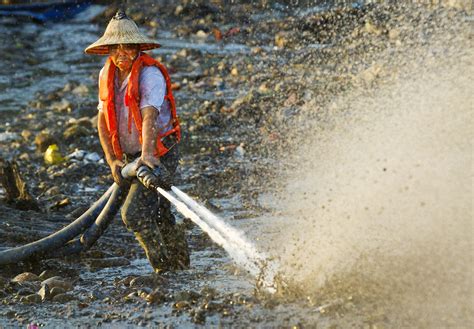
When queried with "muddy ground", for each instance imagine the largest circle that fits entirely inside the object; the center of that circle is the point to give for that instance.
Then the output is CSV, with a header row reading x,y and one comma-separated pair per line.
x,y
241,74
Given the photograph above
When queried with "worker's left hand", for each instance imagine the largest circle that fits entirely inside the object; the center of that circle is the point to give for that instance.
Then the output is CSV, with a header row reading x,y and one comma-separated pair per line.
x,y
148,160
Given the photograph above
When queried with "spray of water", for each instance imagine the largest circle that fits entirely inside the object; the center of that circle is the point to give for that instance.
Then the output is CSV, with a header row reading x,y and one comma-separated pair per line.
x,y
242,251
378,211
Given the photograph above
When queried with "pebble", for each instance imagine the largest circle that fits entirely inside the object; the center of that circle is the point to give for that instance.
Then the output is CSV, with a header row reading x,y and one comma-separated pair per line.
x,y
181,305
25,291
57,281
155,297
146,280
25,277
43,140
75,131
31,299
81,90
63,298
201,34
26,134
77,155
9,137
44,293
61,106
56,291
92,157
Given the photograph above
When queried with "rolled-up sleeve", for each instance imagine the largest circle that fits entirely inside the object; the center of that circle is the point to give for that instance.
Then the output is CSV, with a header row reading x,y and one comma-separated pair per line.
x,y
152,88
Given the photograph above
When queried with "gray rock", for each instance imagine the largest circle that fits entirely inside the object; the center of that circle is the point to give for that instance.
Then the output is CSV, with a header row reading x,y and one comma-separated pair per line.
x,y
57,281
62,106
182,305
92,157
25,291
63,298
187,295
31,299
57,291
81,90
75,131
44,293
156,297
146,280
199,317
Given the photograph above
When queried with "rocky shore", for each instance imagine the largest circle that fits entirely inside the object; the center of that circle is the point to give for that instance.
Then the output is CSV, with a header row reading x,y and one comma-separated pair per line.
x,y
248,81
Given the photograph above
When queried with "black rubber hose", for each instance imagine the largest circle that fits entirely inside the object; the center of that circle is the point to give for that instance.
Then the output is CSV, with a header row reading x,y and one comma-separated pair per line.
x,y
93,233
60,237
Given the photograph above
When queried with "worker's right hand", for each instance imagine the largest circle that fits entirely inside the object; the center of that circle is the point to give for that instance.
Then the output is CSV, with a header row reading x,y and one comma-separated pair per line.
x,y
116,167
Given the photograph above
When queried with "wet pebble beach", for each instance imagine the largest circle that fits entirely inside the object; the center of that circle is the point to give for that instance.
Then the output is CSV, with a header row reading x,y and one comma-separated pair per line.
x,y
243,75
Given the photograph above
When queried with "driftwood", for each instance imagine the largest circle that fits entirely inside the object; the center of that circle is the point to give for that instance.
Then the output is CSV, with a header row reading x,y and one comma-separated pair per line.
x,y
15,187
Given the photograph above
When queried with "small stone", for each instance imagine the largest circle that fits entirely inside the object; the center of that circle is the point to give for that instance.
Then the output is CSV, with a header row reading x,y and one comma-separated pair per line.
x,y
31,299
372,28
25,277
24,157
199,317
26,134
182,305
56,291
239,151
394,34
53,191
81,90
178,10
57,281
201,34
75,131
187,295
155,297
281,39
147,280
263,89
43,140
63,298
62,106
44,293
234,72
92,157
131,297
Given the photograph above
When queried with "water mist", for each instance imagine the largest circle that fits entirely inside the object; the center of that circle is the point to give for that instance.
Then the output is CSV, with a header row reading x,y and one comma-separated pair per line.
x,y
377,214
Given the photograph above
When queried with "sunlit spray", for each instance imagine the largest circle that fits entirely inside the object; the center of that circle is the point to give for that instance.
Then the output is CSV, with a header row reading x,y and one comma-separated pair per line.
x,y
377,213
240,250
263,266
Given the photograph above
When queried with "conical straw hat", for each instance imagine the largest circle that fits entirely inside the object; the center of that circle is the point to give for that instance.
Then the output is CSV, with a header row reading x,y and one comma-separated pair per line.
x,y
121,29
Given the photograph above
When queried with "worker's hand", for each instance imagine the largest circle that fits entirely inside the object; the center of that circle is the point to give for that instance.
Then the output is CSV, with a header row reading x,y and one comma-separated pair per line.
x,y
115,167
148,160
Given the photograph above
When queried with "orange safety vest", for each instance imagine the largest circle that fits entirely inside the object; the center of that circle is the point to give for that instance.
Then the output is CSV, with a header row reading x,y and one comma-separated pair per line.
x,y
132,101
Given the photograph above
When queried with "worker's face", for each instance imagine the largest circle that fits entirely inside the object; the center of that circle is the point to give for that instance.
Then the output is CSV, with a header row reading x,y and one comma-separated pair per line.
x,y
123,55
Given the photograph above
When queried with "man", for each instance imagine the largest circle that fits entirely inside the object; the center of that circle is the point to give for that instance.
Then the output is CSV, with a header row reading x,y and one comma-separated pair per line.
x,y
137,119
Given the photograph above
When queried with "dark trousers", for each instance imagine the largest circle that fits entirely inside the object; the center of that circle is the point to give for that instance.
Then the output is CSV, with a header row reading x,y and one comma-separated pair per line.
x,y
149,217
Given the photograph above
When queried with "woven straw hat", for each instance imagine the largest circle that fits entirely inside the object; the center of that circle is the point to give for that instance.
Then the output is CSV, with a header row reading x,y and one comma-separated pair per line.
x,y
121,29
